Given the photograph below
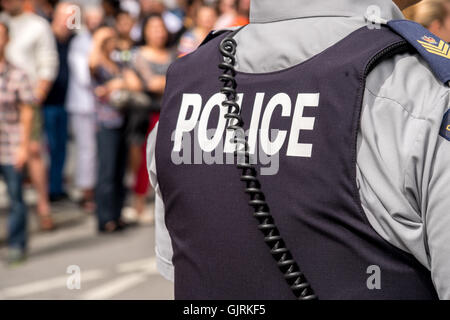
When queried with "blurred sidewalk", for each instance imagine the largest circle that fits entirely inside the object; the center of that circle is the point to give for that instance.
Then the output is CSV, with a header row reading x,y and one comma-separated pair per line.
x,y
65,214
116,266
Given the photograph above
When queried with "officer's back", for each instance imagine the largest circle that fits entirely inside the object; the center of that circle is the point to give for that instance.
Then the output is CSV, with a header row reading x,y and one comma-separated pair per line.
x,y
348,201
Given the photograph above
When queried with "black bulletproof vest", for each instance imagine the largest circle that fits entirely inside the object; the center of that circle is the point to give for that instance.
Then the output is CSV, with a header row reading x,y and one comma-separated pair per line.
x,y
218,251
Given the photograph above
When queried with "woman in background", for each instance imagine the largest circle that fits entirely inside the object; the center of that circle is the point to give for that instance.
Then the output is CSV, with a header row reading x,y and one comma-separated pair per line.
x,y
233,13
151,64
109,77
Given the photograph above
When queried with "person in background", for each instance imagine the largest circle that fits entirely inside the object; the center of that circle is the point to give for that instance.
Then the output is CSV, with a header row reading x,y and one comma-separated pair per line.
x,y
243,12
229,15
433,15
80,104
111,8
123,56
108,78
32,48
16,113
151,64
124,24
54,111
45,8
190,9
206,18
173,22
130,6
179,9
136,118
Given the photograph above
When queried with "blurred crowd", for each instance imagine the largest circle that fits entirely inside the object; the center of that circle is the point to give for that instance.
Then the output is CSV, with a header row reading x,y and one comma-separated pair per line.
x,y
95,71
433,15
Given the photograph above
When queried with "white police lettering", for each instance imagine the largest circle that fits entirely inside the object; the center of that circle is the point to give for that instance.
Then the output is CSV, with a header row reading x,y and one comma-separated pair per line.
x,y
273,147
296,149
184,124
253,132
207,142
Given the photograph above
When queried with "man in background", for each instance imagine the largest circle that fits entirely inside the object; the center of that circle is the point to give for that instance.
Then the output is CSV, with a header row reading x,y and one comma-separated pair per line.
x,y
16,115
54,111
32,48
81,106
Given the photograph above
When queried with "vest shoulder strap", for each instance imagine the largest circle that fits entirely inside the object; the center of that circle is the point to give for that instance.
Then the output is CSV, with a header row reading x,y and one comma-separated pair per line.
x,y
214,34
435,51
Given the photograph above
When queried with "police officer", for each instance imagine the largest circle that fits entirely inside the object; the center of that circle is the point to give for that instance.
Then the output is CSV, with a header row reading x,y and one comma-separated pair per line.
x,y
359,102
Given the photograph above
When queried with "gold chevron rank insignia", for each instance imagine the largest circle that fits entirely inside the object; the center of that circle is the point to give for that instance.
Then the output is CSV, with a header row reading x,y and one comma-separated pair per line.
x,y
430,44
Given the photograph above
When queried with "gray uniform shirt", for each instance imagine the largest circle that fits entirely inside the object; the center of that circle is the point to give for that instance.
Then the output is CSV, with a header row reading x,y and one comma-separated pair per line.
x,y
402,164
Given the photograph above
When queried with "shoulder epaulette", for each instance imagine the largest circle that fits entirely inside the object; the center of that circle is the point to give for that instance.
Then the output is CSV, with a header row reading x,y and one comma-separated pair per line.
x,y
432,49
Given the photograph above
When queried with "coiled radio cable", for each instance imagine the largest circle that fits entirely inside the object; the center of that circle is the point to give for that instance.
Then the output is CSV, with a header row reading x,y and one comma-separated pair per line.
x,y
266,224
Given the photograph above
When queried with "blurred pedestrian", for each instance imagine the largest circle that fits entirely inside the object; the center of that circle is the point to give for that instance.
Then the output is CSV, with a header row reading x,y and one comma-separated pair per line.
x,y
81,106
32,48
111,9
243,12
206,18
433,15
230,15
151,64
124,24
148,7
45,8
109,78
16,113
190,9
54,111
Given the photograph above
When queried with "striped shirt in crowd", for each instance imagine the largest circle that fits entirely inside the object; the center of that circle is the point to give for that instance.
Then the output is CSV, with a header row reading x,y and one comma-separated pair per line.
x,y
15,91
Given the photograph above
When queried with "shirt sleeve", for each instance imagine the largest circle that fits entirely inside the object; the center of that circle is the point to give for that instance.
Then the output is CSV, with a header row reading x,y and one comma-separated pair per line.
x,y
46,54
143,69
78,59
430,174
24,89
402,165
163,247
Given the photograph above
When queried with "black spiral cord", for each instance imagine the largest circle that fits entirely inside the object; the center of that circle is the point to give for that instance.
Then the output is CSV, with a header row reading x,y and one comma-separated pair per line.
x,y
285,261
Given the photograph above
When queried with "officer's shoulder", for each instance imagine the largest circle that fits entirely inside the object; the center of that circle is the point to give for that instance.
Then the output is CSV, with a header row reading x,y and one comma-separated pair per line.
x,y
407,80
435,51
417,80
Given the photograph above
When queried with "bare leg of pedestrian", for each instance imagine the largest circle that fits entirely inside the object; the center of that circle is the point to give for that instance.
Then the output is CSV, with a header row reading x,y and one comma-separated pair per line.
x,y
37,172
88,201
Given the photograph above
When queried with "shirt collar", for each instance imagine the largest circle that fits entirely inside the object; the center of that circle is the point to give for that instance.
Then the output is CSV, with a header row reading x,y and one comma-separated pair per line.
x,y
265,11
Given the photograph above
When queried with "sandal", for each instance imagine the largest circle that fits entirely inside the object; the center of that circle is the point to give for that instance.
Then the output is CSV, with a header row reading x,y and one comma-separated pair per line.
x,y
110,227
88,206
46,223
